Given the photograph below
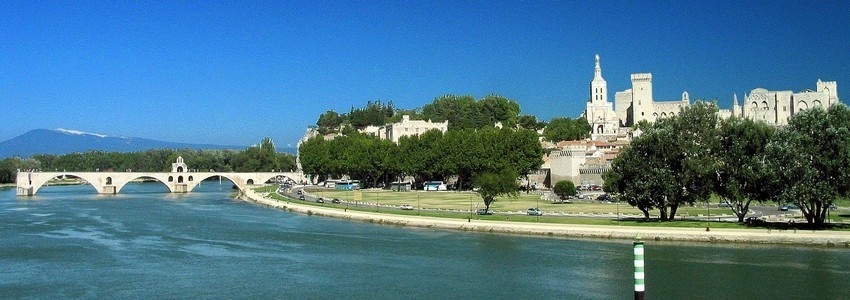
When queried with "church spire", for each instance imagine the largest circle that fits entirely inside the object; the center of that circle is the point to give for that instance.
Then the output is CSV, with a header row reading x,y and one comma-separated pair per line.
x,y
597,71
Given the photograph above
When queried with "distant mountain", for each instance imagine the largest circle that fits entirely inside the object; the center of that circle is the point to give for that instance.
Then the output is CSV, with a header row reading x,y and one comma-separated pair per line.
x,y
62,141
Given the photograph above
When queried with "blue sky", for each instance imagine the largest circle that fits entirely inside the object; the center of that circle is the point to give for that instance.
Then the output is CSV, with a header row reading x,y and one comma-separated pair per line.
x,y
234,72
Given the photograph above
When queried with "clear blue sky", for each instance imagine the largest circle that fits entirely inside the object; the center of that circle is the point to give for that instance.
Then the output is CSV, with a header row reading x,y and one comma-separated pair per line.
x,y
233,72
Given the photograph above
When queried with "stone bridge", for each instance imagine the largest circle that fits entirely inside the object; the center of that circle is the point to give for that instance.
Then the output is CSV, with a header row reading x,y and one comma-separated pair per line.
x,y
177,182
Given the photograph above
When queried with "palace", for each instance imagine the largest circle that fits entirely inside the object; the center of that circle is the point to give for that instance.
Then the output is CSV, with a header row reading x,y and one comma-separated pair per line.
x,y
777,107
632,105
611,123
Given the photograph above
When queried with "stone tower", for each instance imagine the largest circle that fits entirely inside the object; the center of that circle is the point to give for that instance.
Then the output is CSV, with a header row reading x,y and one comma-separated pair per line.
x,y
642,97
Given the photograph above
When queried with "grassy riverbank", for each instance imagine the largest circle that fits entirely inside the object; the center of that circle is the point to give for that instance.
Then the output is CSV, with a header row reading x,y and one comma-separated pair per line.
x,y
585,228
459,205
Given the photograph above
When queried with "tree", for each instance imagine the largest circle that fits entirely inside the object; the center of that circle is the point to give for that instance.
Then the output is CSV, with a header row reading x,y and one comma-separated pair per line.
x,y
671,164
566,129
742,174
564,189
811,160
329,121
464,112
495,184
528,122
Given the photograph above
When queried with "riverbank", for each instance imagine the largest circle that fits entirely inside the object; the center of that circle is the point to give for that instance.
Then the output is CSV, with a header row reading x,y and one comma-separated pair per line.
x,y
748,236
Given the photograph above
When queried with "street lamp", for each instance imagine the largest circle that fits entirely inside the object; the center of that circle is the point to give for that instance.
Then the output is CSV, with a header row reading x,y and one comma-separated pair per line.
x,y
708,219
418,206
618,211
538,210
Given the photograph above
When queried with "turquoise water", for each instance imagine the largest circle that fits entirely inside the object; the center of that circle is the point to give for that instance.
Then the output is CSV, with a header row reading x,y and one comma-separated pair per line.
x,y
69,242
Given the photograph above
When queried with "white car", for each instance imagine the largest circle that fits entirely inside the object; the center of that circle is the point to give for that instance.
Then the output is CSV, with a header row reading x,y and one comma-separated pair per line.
x,y
407,207
534,212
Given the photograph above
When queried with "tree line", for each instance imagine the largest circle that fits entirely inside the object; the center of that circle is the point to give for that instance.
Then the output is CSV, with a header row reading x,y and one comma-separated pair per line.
x,y
461,154
687,158
462,112
262,157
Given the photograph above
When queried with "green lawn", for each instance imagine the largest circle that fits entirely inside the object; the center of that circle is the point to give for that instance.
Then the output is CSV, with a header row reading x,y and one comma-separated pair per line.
x,y
458,204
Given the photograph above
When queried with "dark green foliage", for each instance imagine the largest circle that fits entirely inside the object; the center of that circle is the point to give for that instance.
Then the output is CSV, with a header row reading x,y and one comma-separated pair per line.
x,y
671,164
464,112
742,174
811,160
566,129
328,122
564,189
428,156
495,184
375,113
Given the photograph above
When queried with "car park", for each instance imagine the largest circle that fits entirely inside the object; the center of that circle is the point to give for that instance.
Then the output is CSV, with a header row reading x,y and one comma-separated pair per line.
x,y
534,212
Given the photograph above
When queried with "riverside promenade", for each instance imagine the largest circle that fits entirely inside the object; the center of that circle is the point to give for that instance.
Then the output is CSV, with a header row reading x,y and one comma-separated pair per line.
x,y
720,235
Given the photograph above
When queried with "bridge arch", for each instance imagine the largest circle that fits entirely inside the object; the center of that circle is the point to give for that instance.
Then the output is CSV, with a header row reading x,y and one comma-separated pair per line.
x,y
39,181
159,178
192,184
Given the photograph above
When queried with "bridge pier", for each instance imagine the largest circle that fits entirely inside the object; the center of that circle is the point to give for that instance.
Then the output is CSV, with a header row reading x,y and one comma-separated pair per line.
x,y
25,191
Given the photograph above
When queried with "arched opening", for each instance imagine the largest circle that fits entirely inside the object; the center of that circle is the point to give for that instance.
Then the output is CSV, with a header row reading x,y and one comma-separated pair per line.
x,y
764,105
250,182
599,129
108,180
801,106
170,178
213,183
816,103
179,179
144,185
180,169
63,184
191,178
655,116
664,115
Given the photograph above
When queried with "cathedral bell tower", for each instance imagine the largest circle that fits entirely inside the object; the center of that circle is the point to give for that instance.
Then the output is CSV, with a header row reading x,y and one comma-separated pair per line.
x,y
598,87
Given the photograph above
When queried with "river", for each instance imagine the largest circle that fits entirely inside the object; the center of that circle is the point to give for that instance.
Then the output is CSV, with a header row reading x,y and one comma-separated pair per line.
x,y
69,242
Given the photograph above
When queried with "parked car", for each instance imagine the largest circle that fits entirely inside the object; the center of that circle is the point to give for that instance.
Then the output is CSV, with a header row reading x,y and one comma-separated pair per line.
x,y
320,200
603,197
483,211
407,207
534,212
301,197
299,192
335,201
783,208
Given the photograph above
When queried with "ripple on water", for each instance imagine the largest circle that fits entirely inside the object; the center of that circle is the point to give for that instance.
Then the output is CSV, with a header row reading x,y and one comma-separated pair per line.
x,y
87,234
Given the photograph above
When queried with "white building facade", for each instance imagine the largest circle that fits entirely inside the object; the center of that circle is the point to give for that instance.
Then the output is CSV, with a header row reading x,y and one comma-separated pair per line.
x,y
777,107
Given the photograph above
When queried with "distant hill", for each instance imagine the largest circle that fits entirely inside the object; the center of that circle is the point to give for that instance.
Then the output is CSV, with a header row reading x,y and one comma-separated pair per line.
x,y
62,141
